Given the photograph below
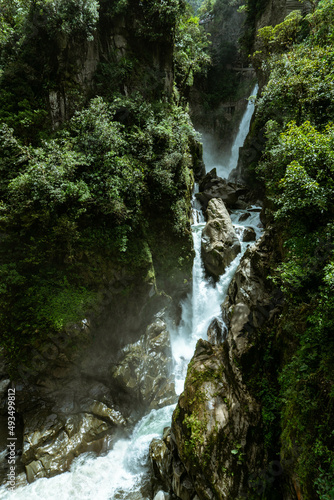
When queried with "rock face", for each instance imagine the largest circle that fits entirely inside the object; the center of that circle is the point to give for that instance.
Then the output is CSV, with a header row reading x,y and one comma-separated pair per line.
x,y
250,300
51,441
220,244
249,234
233,195
216,332
77,61
168,468
89,418
216,430
146,368
79,406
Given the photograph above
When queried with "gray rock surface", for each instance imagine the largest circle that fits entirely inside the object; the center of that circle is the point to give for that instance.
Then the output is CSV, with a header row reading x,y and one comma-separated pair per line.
x,y
146,368
216,332
233,195
249,234
84,413
220,244
217,428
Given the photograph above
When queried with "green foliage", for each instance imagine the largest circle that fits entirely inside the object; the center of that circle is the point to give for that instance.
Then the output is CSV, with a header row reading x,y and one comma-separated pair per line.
x,y
69,17
105,190
89,191
322,24
191,54
196,427
296,109
158,18
282,36
299,169
325,485
207,7
196,4
300,85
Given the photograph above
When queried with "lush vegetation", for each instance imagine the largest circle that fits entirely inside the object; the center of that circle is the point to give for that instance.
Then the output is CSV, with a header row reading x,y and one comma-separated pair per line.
x,y
297,167
223,83
191,54
107,185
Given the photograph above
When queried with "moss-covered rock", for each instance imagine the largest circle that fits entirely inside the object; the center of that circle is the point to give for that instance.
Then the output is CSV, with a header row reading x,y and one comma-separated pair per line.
x,y
217,426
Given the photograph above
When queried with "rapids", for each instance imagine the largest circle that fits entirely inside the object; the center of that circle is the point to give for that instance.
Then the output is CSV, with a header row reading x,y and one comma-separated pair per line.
x,y
124,472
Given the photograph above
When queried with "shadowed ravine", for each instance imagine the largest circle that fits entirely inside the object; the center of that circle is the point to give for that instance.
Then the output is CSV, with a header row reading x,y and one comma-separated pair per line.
x,y
124,472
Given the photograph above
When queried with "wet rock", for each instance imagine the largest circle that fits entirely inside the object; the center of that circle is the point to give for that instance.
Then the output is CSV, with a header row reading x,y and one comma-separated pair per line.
x,y
66,417
217,427
233,195
161,495
244,216
220,244
249,234
52,441
216,332
161,458
181,483
210,423
146,367
250,297
169,469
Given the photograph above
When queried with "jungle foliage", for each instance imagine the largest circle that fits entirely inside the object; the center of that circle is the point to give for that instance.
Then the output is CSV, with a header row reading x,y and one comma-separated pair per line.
x,y
297,166
104,188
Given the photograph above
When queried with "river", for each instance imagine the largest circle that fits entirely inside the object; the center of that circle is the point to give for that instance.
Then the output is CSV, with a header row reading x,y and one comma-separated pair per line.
x,y
123,472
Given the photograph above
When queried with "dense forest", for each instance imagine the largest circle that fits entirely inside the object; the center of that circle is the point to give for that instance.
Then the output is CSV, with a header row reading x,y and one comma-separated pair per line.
x,y
78,189
295,111
98,161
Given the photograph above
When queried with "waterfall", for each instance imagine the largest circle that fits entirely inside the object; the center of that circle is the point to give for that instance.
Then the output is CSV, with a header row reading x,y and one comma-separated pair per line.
x,y
225,164
242,133
124,471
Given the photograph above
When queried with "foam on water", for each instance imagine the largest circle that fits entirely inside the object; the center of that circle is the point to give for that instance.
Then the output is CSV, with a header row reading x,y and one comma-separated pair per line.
x,y
118,474
123,471
224,165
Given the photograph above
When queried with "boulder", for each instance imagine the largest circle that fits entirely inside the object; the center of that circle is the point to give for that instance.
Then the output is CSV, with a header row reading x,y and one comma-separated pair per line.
x,y
220,244
232,194
217,427
52,441
244,216
145,368
216,332
161,458
249,234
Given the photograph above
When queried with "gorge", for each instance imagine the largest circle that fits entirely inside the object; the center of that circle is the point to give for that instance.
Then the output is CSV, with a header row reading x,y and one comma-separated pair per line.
x,y
166,323
124,472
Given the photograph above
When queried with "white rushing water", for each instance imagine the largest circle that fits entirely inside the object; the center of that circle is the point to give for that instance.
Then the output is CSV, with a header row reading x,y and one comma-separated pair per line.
x,y
119,474
224,165
242,133
123,472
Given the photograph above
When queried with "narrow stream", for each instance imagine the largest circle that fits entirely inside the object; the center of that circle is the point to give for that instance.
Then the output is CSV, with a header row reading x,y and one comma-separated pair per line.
x,y
123,472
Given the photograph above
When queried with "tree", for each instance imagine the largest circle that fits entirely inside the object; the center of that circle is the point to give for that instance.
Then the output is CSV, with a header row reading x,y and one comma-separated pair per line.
x,y
191,56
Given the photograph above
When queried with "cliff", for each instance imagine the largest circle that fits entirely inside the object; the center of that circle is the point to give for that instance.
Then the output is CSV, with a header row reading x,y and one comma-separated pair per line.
x,y
97,208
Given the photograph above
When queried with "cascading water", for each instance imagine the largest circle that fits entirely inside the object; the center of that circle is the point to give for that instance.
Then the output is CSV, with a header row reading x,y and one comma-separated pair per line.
x,y
224,166
242,134
123,472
